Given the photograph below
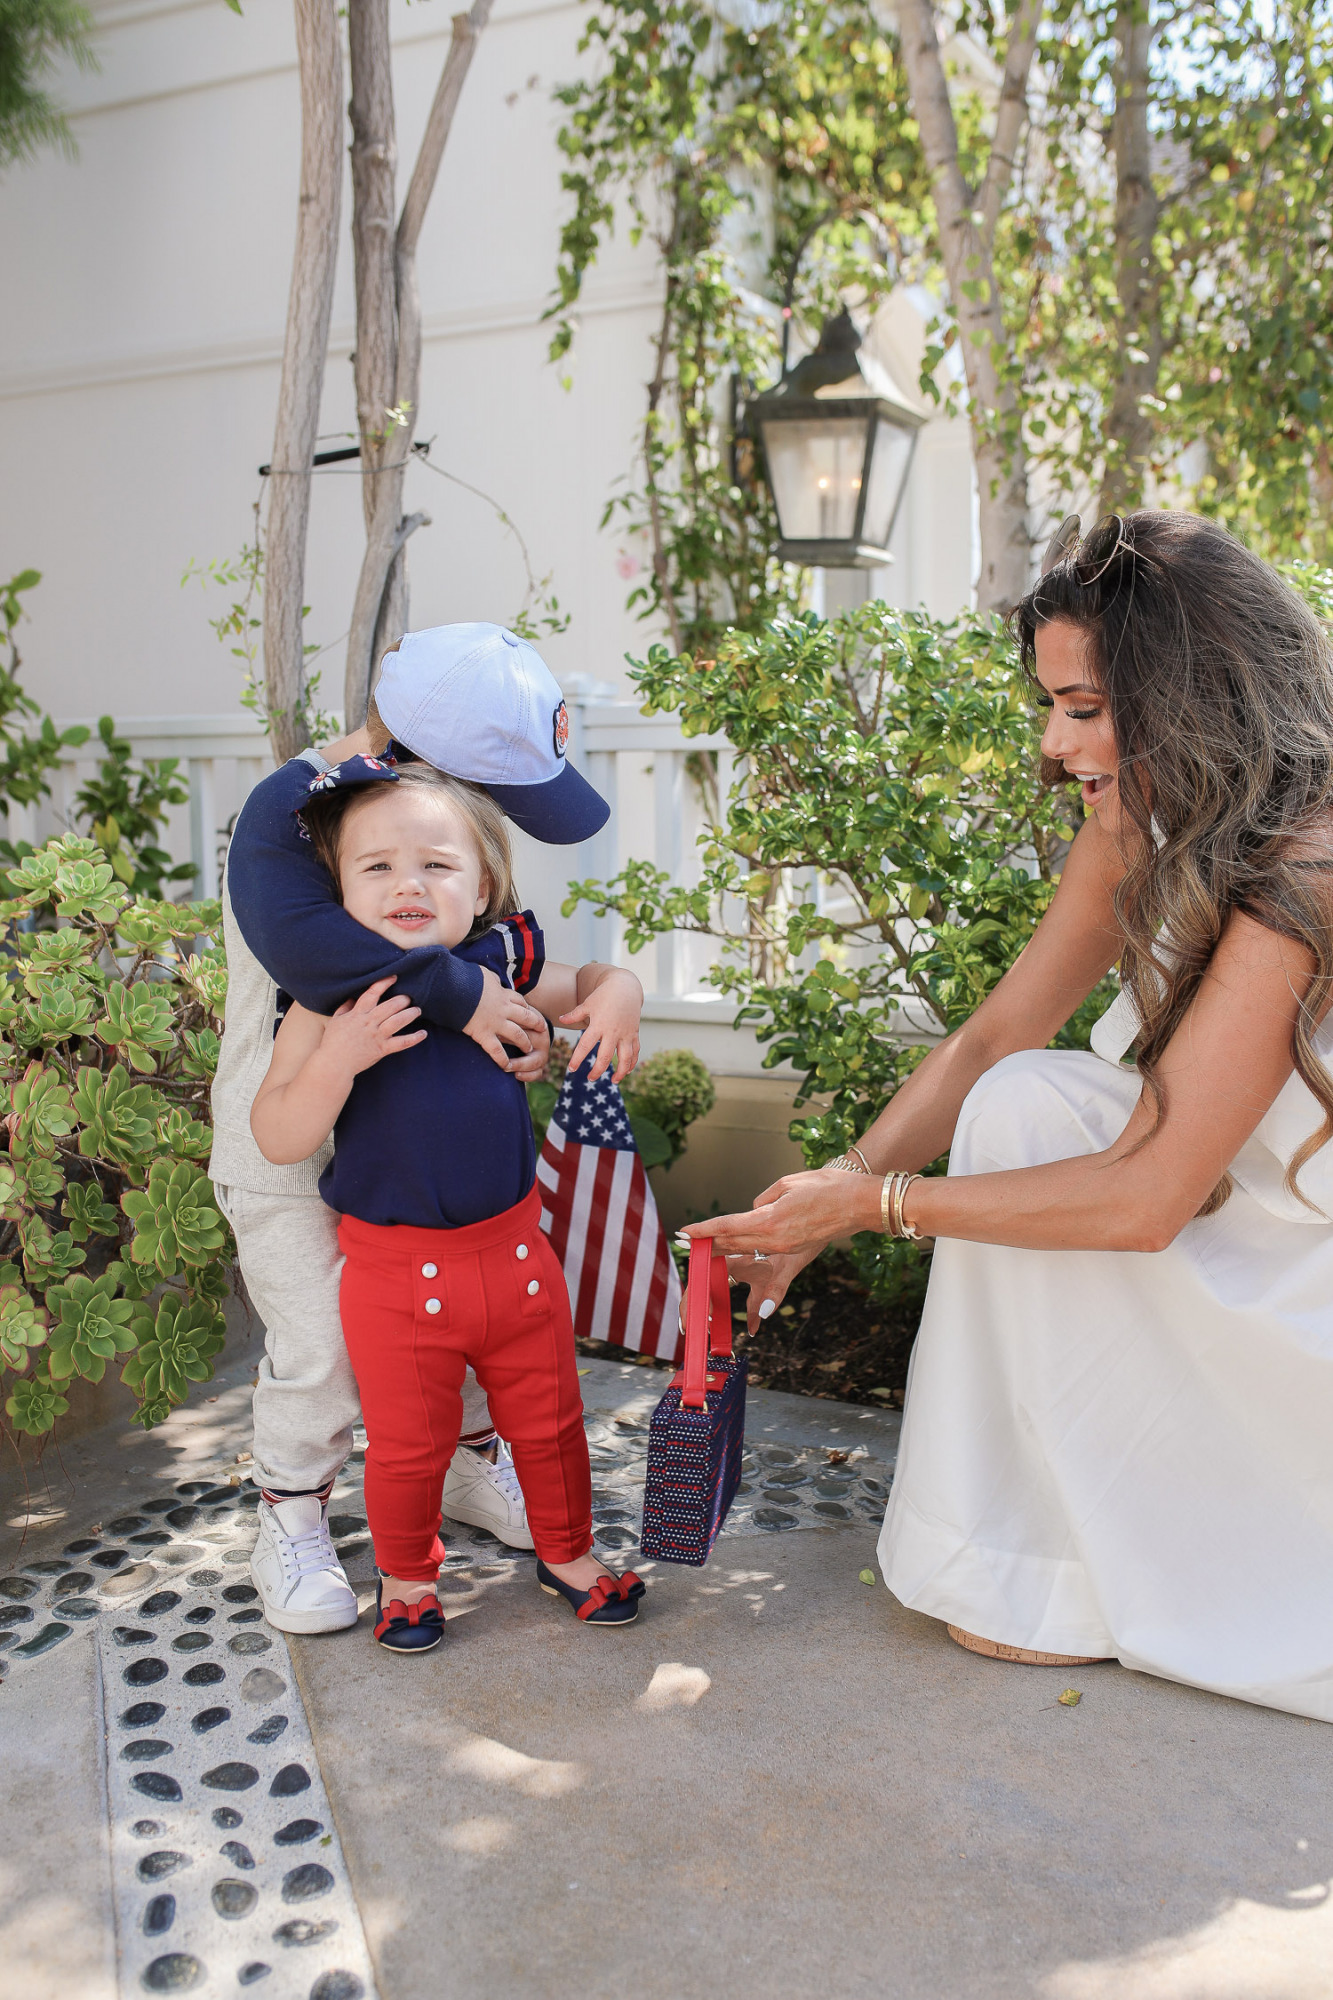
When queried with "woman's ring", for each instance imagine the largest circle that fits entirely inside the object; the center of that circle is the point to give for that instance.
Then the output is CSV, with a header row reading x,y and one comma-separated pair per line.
x,y
760,1256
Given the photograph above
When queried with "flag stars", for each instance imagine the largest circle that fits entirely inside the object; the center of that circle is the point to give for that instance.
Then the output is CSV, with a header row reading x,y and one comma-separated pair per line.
x,y
593,1112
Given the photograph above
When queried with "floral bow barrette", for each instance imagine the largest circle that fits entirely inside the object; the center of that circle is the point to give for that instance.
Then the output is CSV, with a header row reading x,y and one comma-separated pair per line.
x,y
351,775
352,772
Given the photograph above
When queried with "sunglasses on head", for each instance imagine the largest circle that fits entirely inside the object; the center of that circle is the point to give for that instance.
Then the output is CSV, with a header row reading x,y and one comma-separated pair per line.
x,y
1069,544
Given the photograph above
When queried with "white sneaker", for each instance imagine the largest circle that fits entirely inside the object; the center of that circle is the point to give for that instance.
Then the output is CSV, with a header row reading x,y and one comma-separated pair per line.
x,y
296,1571
487,1496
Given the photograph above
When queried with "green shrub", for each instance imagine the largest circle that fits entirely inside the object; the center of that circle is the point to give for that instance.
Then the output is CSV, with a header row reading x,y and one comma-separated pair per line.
x,y
124,808
664,1096
882,857
27,756
112,1250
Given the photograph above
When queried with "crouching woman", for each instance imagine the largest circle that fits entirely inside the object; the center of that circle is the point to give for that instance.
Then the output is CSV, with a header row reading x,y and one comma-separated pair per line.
x,y
1116,1439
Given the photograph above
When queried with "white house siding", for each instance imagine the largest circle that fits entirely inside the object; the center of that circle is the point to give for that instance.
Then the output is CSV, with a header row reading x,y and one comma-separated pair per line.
x,y
140,343
145,289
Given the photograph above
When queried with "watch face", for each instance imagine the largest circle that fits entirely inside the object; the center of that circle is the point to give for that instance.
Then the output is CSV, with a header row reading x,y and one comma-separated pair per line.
x,y
560,729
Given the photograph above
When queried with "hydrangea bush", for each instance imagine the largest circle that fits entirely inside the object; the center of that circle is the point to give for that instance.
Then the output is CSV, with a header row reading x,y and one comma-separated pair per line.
x,y
664,1096
113,1252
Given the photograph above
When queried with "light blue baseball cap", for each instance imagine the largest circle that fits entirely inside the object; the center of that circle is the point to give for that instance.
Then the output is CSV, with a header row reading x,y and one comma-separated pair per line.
x,y
482,704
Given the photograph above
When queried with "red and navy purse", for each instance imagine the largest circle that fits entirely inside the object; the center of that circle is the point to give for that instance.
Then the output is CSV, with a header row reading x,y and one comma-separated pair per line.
x,y
698,1428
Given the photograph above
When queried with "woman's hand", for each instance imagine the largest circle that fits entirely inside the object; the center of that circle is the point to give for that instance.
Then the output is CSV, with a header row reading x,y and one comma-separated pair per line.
x,y
768,1279
799,1213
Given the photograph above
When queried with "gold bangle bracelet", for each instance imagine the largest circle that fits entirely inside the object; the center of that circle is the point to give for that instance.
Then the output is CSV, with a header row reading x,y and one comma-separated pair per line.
x,y
865,1164
892,1194
905,1229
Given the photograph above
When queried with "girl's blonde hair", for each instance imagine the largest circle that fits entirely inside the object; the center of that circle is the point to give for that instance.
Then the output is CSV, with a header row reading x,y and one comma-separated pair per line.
x,y
327,814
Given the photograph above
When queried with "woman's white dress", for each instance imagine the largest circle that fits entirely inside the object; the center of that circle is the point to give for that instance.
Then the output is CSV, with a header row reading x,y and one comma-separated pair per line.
x,y
1126,1453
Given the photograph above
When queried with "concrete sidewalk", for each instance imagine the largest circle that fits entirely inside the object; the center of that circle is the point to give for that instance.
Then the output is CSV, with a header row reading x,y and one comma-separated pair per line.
x,y
777,1784
781,1783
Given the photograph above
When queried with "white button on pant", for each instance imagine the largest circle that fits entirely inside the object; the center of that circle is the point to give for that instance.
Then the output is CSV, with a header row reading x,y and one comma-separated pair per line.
x,y
521,1251
432,1305
430,1270
533,1287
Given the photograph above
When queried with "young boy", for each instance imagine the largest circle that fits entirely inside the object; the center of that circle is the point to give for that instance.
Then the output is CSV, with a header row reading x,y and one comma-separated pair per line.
x,y
480,703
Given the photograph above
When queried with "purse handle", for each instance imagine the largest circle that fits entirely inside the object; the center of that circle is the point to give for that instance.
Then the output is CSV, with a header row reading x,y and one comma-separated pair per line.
x,y
707,1319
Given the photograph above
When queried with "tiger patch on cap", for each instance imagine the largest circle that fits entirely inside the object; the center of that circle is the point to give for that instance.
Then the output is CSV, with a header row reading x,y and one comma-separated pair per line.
x,y
560,729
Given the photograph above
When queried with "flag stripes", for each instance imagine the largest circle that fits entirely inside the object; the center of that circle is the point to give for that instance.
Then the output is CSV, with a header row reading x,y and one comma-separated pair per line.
x,y
599,1212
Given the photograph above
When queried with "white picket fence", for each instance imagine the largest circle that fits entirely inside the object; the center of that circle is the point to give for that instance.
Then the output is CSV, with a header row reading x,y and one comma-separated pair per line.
x,y
637,762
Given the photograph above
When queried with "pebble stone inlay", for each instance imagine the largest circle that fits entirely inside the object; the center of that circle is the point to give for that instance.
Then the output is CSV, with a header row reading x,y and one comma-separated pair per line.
x,y
205,1888
782,1486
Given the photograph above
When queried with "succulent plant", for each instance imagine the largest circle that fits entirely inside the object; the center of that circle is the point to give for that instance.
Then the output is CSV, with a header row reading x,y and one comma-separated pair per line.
x,y
48,1255
108,1043
23,1326
88,1212
119,1118
183,1137
89,1327
176,1220
43,1180
62,1008
35,1404
140,1022
88,888
176,1347
41,1109
200,1052
208,977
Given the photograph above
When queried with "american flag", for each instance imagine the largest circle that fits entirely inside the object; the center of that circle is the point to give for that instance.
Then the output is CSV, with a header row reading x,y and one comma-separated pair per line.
x,y
599,1212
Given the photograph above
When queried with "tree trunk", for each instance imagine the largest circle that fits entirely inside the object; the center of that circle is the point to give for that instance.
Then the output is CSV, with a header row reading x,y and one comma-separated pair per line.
x,y
967,230
1129,426
387,528
374,198
309,304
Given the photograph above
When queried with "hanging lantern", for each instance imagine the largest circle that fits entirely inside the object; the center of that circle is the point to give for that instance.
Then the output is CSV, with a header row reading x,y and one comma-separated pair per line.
x,y
838,442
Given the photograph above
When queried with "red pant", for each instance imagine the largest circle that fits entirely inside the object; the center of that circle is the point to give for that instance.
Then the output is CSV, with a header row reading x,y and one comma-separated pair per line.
x,y
417,1306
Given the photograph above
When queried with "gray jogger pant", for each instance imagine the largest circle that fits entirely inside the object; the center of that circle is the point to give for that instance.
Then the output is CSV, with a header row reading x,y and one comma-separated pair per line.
x,y
305,1397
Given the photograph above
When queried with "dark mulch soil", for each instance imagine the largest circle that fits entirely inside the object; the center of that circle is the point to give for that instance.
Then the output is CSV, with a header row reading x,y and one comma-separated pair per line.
x,y
829,1338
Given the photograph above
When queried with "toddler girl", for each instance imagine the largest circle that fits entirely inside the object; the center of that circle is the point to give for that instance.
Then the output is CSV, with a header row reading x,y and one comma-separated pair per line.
x,y
433,1175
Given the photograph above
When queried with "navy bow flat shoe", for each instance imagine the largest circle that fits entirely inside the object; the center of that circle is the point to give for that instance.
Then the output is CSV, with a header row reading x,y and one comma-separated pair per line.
x,y
407,1628
613,1600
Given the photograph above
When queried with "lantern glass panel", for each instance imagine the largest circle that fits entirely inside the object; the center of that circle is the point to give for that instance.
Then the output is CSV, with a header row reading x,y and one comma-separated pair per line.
x,y
888,469
815,467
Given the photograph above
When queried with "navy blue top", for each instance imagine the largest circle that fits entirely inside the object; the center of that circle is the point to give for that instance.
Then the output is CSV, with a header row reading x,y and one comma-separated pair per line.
x,y
289,915
440,1136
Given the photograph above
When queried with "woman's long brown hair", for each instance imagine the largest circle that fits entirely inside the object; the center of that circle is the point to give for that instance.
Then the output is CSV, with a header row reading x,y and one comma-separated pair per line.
x,y
1220,685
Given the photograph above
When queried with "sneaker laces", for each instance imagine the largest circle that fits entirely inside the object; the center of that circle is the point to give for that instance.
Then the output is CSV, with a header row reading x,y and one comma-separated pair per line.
x,y
503,1475
310,1551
